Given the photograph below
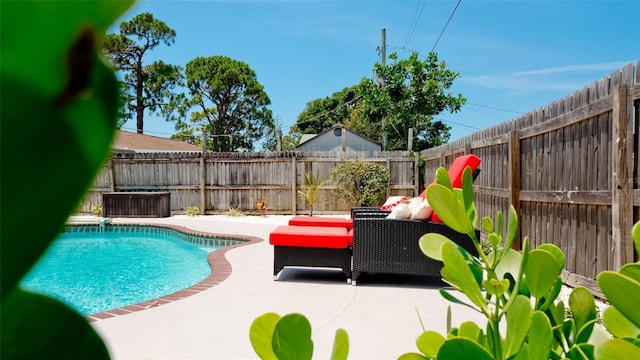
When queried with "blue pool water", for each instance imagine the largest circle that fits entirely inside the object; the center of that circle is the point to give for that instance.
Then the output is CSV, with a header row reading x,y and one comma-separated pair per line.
x,y
94,272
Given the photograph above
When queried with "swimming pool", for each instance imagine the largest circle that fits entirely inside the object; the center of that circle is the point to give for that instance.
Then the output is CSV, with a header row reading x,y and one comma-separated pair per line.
x,y
94,271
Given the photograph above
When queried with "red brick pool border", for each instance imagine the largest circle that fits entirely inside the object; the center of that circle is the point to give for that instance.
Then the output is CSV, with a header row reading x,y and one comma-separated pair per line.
x,y
220,271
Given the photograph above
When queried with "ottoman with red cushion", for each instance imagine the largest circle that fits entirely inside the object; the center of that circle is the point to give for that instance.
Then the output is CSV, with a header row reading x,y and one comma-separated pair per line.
x,y
311,246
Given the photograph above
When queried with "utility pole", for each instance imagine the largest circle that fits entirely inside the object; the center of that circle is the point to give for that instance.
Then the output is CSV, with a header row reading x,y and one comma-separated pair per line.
x,y
383,62
383,48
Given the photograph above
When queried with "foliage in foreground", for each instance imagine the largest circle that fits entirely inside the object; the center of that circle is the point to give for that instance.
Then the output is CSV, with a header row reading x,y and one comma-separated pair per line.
x,y
520,291
289,337
66,98
360,183
516,291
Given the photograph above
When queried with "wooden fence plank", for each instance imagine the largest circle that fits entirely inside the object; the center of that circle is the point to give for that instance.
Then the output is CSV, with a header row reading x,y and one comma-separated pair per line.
x,y
622,169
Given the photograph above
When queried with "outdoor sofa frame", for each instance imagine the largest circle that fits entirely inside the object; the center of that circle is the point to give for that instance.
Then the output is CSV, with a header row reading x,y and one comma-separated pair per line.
x,y
382,245
311,257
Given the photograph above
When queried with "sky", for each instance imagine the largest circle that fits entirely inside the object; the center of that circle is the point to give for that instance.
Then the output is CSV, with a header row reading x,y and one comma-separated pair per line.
x,y
513,57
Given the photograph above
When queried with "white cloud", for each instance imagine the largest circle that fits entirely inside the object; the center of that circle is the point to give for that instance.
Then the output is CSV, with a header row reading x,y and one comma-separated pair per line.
x,y
612,66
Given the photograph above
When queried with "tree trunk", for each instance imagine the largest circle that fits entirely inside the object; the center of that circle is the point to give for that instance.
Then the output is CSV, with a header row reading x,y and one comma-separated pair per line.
x,y
139,99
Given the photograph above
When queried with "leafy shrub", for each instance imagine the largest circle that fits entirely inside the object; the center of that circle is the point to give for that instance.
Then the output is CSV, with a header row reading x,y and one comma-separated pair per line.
x,y
360,183
193,211
518,291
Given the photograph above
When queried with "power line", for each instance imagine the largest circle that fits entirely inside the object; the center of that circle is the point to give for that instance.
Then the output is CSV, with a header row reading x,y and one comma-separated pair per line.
x,y
328,111
455,123
414,22
495,108
445,25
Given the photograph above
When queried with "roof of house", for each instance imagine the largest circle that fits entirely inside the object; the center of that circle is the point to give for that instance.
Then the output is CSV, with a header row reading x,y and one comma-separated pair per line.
x,y
307,137
140,142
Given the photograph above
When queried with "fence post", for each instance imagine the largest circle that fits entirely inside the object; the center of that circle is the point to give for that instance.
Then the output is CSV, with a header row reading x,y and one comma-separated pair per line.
x,y
203,176
622,170
294,185
112,174
514,180
416,173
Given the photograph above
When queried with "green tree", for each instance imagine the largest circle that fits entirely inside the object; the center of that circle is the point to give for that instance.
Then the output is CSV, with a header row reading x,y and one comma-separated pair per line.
x,y
407,94
288,143
291,140
320,114
231,104
144,87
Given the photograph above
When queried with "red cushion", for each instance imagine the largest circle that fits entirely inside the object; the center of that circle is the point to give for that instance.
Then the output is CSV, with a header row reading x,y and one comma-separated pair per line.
x,y
304,220
311,236
457,169
455,174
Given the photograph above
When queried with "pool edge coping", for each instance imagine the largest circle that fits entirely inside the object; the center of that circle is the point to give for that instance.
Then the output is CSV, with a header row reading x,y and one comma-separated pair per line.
x,y
221,269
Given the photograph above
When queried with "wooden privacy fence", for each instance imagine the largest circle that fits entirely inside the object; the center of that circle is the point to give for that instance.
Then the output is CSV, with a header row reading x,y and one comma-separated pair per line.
x,y
239,180
569,169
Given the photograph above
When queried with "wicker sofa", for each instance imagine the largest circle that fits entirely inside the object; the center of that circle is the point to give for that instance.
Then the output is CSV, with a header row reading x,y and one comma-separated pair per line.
x,y
383,245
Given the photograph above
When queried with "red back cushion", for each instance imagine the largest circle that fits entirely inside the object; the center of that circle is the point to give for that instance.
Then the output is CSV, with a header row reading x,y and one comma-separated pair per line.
x,y
455,174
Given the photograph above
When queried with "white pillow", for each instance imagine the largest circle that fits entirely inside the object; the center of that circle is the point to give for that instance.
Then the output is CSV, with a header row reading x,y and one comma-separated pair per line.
x,y
400,211
421,211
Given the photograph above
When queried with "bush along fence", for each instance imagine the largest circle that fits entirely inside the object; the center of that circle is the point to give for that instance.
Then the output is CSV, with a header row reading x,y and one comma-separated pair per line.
x,y
570,171
220,181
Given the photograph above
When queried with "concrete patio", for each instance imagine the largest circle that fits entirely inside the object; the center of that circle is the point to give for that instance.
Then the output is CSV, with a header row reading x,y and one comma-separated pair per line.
x,y
383,315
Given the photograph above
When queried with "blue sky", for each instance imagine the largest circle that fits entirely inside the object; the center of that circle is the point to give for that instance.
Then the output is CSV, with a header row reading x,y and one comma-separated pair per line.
x,y
513,56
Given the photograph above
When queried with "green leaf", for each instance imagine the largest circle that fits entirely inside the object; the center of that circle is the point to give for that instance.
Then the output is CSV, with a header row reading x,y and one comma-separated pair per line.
x,y
555,251
429,343
583,308
442,178
66,99
509,263
500,222
449,209
32,323
617,349
617,324
487,224
412,356
431,245
467,188
463,348
495,286
581,352
261,334
631,270
470,330
494,240
340,345
512,228
540,337
518,321
292,338
622,292
75,136
542,271
460,274
635,232
445,294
